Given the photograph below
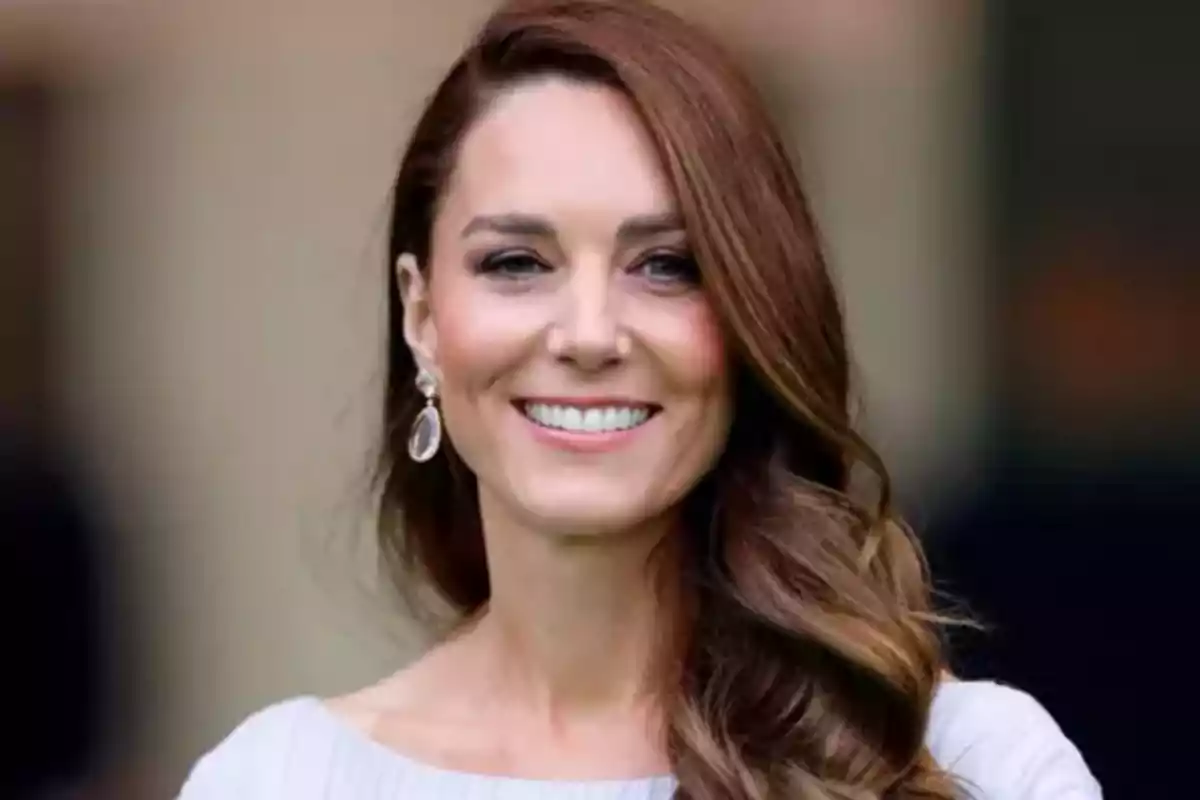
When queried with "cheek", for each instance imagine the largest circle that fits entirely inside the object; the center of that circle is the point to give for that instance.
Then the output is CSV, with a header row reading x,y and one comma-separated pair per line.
x,y
480,334
691,345
709,356
479,339
694,358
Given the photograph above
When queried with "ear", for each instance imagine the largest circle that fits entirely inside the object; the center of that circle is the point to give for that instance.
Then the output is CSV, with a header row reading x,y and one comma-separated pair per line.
x,y
419,332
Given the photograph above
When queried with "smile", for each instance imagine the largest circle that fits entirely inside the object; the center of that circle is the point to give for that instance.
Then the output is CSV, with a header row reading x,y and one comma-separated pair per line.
x,y
587,419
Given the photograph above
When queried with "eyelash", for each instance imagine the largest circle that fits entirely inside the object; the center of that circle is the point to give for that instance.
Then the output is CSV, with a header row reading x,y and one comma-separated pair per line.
x,y
500,265
495,264
682,261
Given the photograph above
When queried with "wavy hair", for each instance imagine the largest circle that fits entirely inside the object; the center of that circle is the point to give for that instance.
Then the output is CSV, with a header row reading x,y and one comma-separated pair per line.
x,y
812,656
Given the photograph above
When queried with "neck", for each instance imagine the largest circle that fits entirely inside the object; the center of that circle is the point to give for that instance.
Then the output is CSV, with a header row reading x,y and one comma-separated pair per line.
x,y
579,625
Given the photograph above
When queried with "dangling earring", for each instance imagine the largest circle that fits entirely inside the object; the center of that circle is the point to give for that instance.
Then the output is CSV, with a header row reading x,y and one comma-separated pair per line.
x,y
426,435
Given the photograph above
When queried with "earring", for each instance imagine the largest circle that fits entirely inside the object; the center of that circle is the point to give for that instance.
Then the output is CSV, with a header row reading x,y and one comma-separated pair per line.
x,y
426,435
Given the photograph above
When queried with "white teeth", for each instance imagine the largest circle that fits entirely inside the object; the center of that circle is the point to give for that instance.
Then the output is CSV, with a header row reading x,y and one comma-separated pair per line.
x,y
587,420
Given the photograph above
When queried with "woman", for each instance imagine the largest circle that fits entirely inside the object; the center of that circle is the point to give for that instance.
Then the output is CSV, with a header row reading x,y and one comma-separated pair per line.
x,y
618,446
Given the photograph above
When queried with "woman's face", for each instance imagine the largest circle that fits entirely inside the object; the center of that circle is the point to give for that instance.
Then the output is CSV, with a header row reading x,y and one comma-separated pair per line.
x,y
581,372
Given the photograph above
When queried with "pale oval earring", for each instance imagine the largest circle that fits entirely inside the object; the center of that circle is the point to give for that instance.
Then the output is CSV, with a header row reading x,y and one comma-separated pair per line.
x,y
426,435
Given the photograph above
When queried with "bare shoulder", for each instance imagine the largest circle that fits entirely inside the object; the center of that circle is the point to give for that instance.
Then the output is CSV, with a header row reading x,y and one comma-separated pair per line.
x,y
428,711
1004,745
408,693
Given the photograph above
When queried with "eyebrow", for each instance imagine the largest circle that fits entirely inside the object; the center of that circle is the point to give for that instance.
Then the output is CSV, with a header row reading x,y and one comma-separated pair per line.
x,y
634,228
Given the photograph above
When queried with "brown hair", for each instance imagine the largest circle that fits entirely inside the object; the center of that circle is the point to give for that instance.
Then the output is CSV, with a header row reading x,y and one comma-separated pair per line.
x,y
811,663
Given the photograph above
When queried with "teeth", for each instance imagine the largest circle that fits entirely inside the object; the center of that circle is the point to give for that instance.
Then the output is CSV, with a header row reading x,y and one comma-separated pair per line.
x,y
587,420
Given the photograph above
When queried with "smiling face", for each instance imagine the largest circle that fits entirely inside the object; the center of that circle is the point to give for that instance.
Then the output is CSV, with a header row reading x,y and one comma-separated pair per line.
x,y
582,376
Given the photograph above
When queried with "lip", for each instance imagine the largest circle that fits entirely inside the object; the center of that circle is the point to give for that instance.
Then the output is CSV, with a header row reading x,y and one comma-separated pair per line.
x,y
588,402
578,441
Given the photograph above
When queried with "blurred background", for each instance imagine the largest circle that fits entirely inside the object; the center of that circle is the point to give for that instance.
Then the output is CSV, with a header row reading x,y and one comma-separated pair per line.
x,y
192,210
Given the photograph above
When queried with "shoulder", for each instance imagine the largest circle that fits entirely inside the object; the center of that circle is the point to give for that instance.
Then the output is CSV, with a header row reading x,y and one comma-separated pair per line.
x,y
1002,744
259,754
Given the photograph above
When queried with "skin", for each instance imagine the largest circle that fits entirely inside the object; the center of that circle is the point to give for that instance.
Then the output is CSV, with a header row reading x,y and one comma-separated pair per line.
x,y
592,295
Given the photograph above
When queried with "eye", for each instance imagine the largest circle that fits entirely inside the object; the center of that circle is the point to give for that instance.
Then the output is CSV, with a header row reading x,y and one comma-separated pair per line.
x,y
669,269
511,264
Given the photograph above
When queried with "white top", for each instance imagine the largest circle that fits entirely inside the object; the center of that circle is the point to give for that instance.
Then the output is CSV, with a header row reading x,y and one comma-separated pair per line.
x,y
999,742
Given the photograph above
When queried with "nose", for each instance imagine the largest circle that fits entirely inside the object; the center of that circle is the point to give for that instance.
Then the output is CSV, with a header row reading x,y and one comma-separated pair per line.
x,y
588,332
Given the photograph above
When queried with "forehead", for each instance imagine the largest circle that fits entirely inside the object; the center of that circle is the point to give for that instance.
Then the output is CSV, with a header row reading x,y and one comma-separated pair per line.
x,y
558,146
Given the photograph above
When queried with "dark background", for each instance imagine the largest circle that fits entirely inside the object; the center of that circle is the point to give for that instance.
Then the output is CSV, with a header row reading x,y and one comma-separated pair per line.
x,y
1080,550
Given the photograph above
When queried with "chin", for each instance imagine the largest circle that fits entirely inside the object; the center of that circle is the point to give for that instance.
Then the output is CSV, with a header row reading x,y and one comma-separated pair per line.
x,y
586,511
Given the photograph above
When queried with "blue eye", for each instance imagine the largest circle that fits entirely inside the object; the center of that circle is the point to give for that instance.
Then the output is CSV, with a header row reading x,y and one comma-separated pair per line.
x,y
669,268
511,264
